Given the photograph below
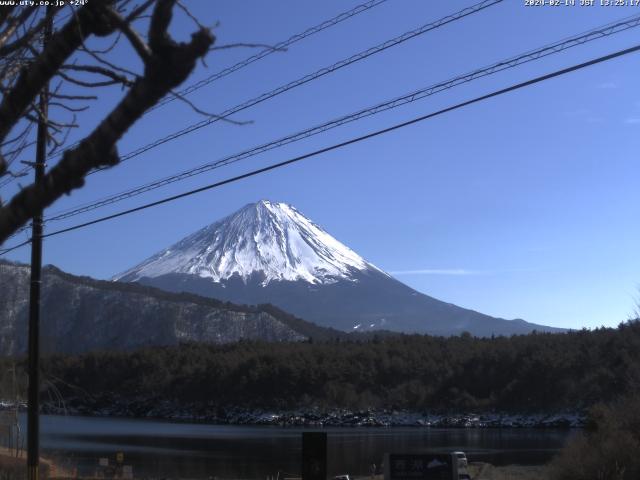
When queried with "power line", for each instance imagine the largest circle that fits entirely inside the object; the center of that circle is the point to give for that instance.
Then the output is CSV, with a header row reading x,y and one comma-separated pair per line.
x,y
4,251
306,79
511,62
351,141
266,52
312,76
277,47
10,178
300,81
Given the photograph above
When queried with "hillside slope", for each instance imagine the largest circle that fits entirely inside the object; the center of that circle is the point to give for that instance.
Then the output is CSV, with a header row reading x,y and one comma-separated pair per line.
x,y
81,314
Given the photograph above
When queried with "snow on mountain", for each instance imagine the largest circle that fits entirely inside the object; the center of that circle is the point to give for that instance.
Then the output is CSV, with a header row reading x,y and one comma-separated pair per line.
x,y
269,252
273,240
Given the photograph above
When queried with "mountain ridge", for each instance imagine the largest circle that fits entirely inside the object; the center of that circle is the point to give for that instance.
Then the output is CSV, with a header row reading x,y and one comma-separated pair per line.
x,y
272,238
269,252
81,314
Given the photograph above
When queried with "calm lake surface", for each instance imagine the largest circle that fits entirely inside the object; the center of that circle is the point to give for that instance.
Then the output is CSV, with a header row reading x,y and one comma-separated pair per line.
x,y
165,449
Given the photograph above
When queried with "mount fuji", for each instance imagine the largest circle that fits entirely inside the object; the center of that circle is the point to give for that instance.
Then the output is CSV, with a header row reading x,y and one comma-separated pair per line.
x,y
269,252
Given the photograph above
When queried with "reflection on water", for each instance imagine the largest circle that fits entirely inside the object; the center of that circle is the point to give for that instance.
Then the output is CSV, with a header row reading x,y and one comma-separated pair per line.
x,y
156,448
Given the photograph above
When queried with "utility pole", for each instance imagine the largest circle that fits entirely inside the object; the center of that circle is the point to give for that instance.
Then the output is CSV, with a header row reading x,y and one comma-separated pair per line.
x,y
33,397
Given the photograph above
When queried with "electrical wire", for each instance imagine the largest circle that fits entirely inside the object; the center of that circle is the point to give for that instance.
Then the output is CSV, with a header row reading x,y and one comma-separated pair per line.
x,y
305,79
277,47
358,9
310,77
351,141
569,42
4,251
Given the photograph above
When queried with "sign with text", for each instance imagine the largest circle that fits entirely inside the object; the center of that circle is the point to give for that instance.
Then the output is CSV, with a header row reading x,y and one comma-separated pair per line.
x,y
422,466
314,456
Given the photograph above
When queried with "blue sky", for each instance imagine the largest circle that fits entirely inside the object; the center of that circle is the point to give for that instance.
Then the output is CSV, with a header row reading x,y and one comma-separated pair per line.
x,y
523,206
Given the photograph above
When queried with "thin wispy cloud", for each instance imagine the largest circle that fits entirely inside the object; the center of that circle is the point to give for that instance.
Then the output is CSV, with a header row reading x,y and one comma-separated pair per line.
x,y
632,120
463,271
608,85
582,114
437,271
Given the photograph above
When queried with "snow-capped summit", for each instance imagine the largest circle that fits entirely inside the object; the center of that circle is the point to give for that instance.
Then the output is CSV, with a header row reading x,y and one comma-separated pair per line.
x,y
269,252
273,240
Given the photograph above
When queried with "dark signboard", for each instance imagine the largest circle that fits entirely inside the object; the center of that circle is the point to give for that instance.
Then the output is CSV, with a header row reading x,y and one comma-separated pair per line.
x,y
427,466
314,456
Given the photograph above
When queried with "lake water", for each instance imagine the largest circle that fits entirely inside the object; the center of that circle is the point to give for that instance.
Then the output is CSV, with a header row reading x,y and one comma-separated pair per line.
x,y
165,449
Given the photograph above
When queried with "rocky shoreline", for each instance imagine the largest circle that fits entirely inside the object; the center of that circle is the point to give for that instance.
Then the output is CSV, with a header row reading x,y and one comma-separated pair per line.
x,y
315,417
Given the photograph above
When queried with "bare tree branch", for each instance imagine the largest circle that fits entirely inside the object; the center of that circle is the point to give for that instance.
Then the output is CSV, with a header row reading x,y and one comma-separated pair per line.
x,y
134,37
190,15
67,107
60,143
136,12
27,37
107,49
90,18
182,98
115,77
73,97
17,138
16,175
97,57
13,24
6,12
169,65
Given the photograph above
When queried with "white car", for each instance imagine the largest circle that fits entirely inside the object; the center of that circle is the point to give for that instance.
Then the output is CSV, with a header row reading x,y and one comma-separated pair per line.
x,y
462,460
